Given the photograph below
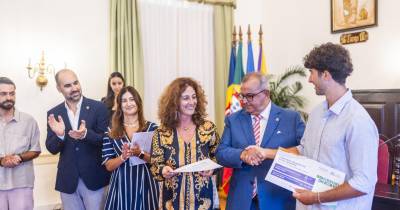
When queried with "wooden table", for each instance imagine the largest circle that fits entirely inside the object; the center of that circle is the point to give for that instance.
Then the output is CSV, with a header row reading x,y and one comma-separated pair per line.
x,y
386,197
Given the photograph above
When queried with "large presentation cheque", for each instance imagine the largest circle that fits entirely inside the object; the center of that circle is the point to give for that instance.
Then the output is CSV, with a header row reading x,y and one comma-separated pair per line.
x,y
292,171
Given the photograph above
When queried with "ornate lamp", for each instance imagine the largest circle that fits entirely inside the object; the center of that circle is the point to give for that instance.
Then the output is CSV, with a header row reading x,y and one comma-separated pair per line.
x,y
40,70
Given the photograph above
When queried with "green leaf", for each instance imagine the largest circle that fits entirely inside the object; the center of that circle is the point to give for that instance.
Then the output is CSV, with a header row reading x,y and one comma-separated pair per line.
x,y
286,95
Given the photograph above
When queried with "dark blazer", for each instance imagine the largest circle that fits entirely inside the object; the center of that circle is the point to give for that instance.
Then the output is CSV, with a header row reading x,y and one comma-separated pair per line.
x,y
284,128
80,158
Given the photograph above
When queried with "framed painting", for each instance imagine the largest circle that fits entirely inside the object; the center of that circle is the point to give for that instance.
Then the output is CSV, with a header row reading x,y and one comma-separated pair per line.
x,y
349,15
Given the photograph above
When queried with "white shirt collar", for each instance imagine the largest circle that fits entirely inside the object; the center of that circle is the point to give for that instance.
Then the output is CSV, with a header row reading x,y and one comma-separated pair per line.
x,y
74,117
78,105
265,112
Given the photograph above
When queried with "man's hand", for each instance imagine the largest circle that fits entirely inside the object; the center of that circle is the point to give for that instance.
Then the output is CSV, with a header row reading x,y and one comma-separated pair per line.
x,y
257,150
268,153
306,197
251,156
80,133
58,127
10,161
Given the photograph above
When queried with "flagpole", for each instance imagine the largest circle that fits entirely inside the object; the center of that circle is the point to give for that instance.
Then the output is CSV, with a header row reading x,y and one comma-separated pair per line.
x,y
234,40
250,58
248,33
240,34
262,66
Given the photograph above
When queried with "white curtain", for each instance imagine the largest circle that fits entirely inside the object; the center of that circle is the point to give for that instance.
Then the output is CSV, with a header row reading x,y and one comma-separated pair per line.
x,y
177,40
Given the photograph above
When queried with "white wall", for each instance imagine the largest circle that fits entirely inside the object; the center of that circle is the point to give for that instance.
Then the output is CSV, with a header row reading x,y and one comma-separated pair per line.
x,y
76,32
292,28
73,32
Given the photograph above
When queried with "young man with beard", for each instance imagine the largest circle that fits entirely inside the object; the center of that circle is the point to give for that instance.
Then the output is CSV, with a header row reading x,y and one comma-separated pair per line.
x,y
75,130
19,144
339,133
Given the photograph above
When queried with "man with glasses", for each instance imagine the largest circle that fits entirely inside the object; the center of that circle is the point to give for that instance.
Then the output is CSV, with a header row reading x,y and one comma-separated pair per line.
x,y
263,124
19,145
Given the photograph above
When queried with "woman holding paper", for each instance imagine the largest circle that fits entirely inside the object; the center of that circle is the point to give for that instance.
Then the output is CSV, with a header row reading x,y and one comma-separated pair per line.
x,y
131,186
184,137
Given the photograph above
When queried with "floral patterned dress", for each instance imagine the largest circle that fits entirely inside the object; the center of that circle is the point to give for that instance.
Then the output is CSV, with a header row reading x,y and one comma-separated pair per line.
x,y
186,191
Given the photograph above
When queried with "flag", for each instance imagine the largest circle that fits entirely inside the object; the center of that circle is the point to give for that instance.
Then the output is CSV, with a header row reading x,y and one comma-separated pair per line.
x,y
261,61
232,93
239,73
250,59
233,81
232,62
232,100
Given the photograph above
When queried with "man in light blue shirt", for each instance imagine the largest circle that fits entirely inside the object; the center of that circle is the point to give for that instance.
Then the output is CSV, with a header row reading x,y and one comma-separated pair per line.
x,y
339,133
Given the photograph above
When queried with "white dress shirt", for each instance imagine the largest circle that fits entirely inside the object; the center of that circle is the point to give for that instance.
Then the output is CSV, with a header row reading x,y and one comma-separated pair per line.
x,y
264,120
73,118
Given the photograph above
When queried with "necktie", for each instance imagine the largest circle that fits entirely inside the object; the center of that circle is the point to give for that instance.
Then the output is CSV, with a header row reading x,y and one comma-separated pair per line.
x,y
257,129
257,136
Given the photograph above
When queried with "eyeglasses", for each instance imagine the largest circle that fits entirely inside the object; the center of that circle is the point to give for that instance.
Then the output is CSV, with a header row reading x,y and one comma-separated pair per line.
x,y
250,96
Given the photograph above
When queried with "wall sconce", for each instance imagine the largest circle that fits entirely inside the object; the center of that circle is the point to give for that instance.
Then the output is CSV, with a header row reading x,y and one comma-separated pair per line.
x,y
41,70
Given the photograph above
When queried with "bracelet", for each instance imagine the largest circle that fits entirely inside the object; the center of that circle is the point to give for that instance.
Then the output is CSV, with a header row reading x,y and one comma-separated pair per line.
x,y
319,200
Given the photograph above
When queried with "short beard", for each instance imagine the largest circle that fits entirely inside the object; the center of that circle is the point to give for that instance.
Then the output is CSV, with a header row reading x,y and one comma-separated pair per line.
x,y
72,99
8,106
319,92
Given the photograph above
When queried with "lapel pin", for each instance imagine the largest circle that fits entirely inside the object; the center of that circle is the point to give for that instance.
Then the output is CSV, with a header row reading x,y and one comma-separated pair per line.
x,y
87,107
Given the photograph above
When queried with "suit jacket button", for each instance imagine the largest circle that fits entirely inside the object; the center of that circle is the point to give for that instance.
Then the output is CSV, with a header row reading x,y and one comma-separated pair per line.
x,y
76,148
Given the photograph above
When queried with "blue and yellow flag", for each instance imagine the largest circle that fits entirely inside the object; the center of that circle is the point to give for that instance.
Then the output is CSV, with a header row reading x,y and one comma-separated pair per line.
x,y
262,67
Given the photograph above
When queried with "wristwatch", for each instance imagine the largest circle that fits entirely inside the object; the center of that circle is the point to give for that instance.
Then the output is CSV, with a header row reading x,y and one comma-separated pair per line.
x,y
141,155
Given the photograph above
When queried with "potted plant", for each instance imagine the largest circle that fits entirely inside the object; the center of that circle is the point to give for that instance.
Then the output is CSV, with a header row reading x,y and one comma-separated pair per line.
x,y
285,94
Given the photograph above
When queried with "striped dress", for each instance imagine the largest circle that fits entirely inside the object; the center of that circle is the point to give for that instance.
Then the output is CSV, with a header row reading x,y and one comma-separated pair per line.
x,y
131,187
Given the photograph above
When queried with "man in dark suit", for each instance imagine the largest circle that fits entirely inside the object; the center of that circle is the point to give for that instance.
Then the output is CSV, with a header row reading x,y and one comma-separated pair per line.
x,y
75,129
266,125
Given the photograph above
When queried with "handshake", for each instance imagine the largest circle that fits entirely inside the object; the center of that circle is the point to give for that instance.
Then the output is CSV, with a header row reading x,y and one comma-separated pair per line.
x,y
254,155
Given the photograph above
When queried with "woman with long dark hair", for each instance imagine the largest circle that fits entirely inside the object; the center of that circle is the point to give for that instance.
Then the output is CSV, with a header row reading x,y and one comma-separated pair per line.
x,y
114,85
131,187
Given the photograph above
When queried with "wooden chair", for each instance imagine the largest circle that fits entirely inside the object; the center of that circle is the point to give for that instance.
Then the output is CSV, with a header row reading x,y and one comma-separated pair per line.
x,y
385,160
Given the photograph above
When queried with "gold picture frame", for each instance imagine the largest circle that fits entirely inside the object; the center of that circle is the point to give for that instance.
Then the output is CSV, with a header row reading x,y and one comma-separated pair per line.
x,y
347,15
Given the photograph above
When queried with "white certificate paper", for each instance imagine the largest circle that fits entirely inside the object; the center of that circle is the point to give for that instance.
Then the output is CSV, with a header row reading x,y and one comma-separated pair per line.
x,y
202,165
143,139
292,171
